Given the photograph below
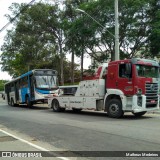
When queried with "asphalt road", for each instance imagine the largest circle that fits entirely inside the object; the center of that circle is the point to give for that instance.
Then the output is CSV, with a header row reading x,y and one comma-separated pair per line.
x,y
84,131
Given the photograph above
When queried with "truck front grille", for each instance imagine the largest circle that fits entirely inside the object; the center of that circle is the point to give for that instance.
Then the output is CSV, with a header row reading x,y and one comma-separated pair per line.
x,y
151,94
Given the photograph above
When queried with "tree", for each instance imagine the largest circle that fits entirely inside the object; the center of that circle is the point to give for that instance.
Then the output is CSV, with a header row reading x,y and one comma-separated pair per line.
x,y
133,22
35,39
154,31
2,82
70,33
44,33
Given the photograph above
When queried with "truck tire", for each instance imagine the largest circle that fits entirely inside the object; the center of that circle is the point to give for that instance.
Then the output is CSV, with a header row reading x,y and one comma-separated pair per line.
x,y
76,110
56,107
139,114
114,108
28,102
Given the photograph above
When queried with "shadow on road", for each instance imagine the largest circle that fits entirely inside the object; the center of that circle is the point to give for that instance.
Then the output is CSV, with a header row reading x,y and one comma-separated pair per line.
x,y
39,108
32,108
132,117
127,116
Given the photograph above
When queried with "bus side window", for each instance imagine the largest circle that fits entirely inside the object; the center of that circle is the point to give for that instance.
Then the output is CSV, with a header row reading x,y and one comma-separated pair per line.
x,y
23,82
12,87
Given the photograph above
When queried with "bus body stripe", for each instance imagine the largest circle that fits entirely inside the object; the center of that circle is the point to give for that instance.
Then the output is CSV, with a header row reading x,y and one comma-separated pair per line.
x,y
42,91
26,74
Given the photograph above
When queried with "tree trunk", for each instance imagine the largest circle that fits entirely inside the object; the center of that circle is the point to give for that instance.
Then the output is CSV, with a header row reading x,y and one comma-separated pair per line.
x,y
82,65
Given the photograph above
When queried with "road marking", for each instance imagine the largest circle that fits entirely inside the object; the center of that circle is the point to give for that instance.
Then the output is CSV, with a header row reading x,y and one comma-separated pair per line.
x,y
31,144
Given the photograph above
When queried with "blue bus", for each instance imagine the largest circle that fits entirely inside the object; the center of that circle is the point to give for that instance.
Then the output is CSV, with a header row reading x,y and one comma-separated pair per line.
x,y
32,87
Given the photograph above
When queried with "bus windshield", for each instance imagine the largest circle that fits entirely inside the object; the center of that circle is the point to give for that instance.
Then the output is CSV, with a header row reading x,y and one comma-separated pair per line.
x,y
46,81
147,71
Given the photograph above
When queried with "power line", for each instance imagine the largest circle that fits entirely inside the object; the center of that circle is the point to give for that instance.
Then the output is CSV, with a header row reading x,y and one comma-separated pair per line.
x,y
21,11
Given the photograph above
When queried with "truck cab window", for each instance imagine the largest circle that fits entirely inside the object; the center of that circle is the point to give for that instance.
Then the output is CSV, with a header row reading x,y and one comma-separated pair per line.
x,y
123,71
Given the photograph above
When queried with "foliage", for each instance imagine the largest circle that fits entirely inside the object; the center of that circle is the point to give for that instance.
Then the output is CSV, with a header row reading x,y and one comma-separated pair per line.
x,y
44,33
154,31
29,43
2,82
134,22
35,40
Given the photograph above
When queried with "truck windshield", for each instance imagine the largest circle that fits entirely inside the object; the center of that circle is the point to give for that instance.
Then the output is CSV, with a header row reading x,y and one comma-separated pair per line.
x,y
46,81
147,71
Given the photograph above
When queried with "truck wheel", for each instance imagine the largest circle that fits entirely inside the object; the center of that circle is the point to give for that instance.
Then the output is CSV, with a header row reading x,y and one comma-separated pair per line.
x,y
76,110
28,102
56,107
139,114
114,108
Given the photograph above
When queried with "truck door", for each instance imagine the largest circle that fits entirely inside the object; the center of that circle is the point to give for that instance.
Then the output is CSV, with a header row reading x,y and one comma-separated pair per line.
x,y
124,79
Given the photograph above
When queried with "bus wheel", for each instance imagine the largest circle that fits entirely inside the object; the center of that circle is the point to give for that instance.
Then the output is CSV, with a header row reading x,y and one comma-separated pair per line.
x,y
28,102
12,102
114,108
56,107
139,114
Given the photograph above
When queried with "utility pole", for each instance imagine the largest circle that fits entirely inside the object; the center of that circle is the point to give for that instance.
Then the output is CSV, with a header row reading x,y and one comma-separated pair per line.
x,y
116,31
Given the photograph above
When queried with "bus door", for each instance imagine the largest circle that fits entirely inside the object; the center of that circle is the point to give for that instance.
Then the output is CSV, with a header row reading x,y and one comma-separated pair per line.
x,y
17,91
7,90
31,81
23,92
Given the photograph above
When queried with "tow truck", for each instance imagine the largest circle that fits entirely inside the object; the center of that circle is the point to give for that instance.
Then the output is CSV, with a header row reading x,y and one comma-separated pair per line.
x,y
129,85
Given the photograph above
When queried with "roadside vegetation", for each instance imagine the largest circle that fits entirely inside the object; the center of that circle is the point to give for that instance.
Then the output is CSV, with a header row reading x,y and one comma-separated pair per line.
x,y
2,82
44,33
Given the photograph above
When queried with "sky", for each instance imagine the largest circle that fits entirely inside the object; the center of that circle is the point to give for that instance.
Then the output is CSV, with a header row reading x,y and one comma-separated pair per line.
x,y
4,5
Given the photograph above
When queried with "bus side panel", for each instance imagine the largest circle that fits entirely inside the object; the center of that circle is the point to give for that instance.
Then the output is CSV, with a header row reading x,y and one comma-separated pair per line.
x,y
41,94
